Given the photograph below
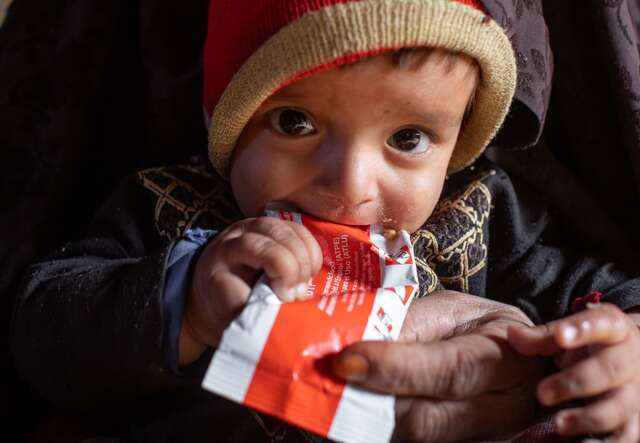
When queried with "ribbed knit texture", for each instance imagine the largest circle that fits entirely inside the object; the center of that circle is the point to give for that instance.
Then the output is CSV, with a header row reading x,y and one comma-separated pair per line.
x,y
268,44
237,28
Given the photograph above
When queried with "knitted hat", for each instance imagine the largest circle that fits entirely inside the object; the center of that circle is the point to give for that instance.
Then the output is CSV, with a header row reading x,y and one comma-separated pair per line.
x,y
256,47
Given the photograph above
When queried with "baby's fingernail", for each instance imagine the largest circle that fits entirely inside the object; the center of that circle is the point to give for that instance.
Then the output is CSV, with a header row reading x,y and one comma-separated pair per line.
x,y
351,367
290,295
301,291
569,333
561,421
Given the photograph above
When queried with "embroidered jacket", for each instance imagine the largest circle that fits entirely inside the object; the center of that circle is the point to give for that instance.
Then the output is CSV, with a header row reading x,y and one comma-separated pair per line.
x,y
89,325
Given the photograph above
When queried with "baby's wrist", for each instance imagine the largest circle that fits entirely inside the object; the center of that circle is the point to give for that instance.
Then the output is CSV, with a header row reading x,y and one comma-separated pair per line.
x,y
190,349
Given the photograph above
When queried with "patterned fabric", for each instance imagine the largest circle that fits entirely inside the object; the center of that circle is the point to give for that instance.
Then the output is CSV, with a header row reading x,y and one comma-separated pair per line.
x,y
451,242
524,23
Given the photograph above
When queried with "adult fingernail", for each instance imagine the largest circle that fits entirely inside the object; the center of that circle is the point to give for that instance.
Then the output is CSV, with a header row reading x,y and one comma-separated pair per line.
x,y
351,367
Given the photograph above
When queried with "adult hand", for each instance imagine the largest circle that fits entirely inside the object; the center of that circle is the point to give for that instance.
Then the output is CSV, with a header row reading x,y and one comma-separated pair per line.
x,y
453,372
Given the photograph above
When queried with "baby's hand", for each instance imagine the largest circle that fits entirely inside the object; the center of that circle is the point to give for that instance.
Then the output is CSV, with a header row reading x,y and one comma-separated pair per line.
x,y
598,352
228,267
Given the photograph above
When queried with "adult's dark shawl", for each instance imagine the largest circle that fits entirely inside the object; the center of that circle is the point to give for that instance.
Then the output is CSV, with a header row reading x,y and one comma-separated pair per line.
x,y
92,91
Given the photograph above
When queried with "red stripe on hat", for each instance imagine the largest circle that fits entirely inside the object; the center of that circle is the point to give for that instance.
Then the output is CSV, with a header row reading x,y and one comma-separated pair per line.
x,y
237,28
473,3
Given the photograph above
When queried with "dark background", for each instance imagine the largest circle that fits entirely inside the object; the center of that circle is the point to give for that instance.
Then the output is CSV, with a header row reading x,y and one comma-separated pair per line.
x,y
93,91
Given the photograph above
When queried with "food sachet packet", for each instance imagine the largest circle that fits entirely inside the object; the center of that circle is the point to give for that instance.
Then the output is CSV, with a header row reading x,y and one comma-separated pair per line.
x,y
275,357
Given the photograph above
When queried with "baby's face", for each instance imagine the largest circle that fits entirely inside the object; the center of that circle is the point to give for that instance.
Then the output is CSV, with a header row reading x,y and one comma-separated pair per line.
x,y
368,143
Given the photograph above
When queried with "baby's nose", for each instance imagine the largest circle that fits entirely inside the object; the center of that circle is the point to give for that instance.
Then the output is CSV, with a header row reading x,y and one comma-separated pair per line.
x,y
351,175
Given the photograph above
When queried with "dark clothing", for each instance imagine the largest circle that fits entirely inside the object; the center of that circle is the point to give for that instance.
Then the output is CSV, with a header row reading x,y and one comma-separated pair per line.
x,y
95,90
90,326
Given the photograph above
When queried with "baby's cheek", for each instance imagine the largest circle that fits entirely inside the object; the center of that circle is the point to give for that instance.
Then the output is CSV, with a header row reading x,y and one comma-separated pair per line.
x,y
416,194
246,185
410,212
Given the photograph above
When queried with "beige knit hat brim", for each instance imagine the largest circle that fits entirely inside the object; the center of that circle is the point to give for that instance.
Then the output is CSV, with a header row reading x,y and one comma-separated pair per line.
x,y
321,37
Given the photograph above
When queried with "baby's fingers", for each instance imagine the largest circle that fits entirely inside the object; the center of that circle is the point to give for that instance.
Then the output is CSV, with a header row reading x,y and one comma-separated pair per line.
x,y
258,251
629,433
285,251
605,324
602,324
601,417
610,368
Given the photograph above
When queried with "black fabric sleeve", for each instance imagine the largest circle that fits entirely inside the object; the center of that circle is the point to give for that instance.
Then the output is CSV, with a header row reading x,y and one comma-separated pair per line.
x,y
531,269
88,326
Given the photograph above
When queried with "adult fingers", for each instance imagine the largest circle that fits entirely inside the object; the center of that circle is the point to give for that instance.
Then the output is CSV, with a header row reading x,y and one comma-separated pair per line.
x,y
461,367
608,369
488,417
603,416
446,314
431,318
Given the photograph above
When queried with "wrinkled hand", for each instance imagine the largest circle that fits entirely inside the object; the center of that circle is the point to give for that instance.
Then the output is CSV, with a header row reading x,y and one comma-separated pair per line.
x,y
453,371
598,353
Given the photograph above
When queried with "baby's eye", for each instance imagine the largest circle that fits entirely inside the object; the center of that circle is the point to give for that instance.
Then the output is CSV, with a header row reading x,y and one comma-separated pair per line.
x,y
291,122
411,140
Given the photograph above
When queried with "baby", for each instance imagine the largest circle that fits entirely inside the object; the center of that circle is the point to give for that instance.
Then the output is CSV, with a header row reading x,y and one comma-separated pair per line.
x,y
351,111
332,149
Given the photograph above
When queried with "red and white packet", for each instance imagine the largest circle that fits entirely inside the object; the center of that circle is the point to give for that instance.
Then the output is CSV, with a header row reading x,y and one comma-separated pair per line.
x,y
275,357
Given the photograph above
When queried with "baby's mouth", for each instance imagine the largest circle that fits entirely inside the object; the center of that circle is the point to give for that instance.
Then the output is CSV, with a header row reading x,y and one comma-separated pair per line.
x,y
338,215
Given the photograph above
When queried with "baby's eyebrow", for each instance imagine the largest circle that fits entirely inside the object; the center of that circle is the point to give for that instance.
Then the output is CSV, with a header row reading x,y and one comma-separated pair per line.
x,y
439,117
